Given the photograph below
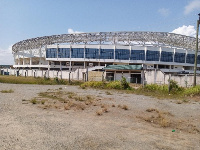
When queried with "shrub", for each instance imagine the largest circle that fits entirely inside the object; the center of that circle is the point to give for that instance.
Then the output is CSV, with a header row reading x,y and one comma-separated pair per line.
x,y
192,91
174,87
33,101
42,102
114,85
124,83
94,84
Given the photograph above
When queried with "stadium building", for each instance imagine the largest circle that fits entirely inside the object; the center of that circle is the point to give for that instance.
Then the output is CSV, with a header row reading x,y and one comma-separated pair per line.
x,y
130,54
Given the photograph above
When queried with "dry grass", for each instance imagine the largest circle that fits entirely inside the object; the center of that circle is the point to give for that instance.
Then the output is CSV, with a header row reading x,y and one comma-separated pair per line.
x,y
7,91
67,107
125,107
151,109
34,101
157,117
108,93
105,110
99,112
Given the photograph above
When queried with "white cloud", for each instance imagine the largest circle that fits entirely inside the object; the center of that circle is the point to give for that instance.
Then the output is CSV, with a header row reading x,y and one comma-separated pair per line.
x,y
71,31
185,30
6,57
164,12
193,5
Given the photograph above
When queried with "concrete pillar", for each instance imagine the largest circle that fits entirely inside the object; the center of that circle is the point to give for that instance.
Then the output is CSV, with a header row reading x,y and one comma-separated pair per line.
x,y
145,53
160,54
23,58
114,52
155,76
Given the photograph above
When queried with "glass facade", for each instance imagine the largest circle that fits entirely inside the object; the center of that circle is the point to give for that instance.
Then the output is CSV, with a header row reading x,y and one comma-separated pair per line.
x,y
137,55
122,54
92,53
63,52
106,53
166,56
190,58
179,57
77,53
51,53
152,55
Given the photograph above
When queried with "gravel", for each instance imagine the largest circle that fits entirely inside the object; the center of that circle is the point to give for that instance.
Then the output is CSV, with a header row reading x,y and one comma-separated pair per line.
x,y
28,127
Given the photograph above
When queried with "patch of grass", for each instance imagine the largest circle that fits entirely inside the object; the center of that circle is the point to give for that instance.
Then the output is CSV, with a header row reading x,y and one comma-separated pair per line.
x,y
159,117
52,95
34,101
125,107
119,106
71,94
105,110
67,107
99,112
113,105
30,80
42,102
79,98
80,107
151,110
7,91
108,93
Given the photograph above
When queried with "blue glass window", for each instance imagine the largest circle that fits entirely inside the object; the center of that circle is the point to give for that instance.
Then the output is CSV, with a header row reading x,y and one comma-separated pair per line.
x,y
198,59
77,53
63,52
179,57
166,56
137,55
190,58
106,53
51,53
122,54
92,53
152,55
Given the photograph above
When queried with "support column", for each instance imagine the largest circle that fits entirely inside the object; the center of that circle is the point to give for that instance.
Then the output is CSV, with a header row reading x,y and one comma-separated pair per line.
x,y
23,58
145,53
155,76
61,68
114,52
48,69
160,54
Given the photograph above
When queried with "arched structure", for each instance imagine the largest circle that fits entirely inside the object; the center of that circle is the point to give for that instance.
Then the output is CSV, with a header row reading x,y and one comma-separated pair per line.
x,y
152,50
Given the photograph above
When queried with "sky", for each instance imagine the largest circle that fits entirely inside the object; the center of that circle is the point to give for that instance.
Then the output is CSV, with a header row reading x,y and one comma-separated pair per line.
x,y
24,19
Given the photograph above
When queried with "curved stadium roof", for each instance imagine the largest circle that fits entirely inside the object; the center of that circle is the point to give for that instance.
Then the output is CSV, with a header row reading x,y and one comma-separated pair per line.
x,y
122,38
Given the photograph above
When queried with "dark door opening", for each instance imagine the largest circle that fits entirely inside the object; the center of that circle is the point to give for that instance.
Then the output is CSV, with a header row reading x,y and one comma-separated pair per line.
x,y
136,78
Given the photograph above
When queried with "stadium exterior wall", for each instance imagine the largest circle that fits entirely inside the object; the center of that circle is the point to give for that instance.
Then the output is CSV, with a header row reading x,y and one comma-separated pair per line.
x,y
158,52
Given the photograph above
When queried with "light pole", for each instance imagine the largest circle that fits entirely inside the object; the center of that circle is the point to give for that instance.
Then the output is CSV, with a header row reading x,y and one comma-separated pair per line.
x,y
195,61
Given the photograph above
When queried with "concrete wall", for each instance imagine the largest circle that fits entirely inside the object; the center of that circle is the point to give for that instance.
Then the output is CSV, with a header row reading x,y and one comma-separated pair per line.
x,y
151,76
158,77
76,75
95,76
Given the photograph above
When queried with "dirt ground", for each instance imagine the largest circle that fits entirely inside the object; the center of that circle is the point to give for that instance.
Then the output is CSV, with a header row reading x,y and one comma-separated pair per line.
x,y
40,117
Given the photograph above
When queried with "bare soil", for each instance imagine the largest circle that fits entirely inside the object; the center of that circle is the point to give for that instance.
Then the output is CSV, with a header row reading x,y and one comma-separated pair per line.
x,y
40,117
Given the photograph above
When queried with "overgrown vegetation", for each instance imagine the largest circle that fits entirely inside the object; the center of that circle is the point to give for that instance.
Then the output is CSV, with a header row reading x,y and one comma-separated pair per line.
x,y
172,91
37,80
119,85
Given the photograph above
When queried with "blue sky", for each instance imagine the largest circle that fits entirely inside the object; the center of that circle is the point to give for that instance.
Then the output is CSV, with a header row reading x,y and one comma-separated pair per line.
x,y
23,19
